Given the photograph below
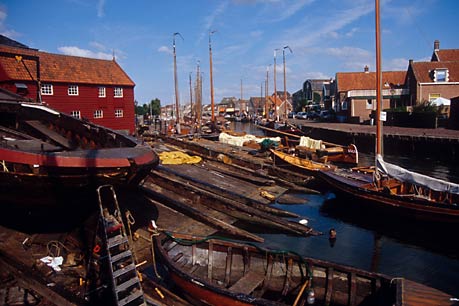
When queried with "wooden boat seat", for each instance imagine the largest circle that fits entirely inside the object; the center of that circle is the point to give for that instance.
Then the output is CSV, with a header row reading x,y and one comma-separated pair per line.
x,y
248,283
58,138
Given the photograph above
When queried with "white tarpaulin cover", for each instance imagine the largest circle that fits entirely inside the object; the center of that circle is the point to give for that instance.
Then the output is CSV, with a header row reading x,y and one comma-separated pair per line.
x,y
441,101
404,175
311,143
239,140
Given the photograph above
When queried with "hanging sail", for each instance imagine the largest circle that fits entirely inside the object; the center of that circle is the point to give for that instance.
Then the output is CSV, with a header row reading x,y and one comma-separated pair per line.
x,y
404,175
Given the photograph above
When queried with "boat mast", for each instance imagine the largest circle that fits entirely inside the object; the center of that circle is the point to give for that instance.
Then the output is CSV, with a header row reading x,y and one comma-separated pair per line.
x,y
212,102
177,103
379,135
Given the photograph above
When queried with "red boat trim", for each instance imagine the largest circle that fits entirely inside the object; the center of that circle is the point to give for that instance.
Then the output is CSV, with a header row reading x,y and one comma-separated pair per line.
x,y
63,161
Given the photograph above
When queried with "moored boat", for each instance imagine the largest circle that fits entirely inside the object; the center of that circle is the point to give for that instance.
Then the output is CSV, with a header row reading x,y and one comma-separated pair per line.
x,y
222,272
43,150
306,165
393,188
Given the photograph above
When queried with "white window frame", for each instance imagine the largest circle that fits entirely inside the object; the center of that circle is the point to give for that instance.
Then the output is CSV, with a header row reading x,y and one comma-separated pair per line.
x,y
118,92
102,92
46,89
72,90
119,113
442,71
75,114
98,113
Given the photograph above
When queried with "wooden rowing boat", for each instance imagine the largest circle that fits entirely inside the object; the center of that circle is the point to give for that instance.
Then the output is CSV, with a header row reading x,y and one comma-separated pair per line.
x,y
316,150
306,165
222,272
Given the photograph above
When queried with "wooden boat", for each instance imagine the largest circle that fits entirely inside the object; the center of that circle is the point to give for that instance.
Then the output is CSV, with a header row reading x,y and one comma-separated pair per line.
x,y
307,165
317,150
221,272
391,187
43,150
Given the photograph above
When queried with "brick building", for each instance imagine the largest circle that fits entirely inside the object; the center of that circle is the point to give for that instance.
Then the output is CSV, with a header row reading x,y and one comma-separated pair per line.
x,y
94,89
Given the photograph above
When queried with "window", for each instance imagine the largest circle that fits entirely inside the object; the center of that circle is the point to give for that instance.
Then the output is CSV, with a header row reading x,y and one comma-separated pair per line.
x,y
344,105
434,96
369,104
441,75
73,90
98,113
47,89
76,114
118,92
101,92
118,113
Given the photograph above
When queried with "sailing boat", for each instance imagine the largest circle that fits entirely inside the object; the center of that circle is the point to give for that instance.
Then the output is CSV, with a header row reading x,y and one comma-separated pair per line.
x,y
392,187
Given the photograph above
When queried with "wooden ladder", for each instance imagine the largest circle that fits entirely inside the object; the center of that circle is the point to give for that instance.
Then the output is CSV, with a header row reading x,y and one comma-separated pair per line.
x,y
125,280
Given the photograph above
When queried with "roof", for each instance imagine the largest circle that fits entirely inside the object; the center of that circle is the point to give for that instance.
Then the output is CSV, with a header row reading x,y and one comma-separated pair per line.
x,y
10,42
422,70
61,68
347,81
446,55
6,95
317,84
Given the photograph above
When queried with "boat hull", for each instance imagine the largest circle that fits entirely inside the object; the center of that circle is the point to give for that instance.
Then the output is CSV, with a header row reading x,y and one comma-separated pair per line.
x,y
241,274
408,207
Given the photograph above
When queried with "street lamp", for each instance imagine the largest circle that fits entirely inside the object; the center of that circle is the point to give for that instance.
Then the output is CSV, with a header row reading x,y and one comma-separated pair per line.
x,y
276,115
285,83
177,103
212,102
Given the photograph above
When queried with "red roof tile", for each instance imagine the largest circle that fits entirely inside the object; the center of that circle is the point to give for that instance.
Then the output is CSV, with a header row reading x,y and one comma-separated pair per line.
x,y
347,81
422,70
63,68
447,55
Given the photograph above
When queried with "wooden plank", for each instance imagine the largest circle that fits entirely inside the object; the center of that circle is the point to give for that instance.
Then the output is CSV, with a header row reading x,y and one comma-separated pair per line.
x,y
229,262
202,213
329,288
58,138
248,283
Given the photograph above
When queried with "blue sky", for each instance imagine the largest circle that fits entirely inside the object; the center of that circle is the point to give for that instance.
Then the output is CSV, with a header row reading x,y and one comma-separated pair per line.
x,y
326,36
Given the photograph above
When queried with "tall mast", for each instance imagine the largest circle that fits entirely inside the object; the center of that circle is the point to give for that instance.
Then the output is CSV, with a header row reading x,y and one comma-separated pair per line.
x,y
285,83
379,135
240,103
267,93
177,103
191,100
275,88
212,103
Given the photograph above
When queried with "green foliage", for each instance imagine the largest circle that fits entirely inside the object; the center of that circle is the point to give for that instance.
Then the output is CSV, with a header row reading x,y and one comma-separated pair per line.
x,y
316,97
400,109
425,107
144,109
156,106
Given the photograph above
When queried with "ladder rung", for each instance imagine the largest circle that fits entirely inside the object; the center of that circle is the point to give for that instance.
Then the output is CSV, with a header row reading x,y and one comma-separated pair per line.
x,y
117,240
124,270
127,284
130,298
121,255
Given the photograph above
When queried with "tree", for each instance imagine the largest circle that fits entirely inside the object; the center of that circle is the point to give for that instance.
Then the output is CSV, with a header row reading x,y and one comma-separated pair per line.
x,y
155,106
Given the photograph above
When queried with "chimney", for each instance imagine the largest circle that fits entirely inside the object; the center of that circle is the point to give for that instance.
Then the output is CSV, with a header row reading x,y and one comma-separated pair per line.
x,y
410,62
366,69
436,45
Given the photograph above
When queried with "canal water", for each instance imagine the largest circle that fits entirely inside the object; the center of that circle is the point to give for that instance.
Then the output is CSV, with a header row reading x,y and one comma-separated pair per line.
x,y
425,253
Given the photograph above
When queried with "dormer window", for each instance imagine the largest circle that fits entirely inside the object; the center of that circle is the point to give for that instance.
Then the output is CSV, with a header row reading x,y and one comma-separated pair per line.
x,y
441,75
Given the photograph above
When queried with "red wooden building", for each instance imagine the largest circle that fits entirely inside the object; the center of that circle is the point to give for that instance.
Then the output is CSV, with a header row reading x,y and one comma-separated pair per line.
x,y
95,89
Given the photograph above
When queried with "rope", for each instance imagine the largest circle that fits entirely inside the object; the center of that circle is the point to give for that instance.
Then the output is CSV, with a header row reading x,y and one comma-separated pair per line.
x,y
56,246
153,258
5,168
131,221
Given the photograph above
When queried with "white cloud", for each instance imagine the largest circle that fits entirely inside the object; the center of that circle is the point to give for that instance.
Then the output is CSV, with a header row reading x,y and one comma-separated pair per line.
x,y
165,49
292,9
76,51
100,8
3,28
209,20
98,46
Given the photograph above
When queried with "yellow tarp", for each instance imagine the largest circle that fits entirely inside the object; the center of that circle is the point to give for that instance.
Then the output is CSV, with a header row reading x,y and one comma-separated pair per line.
x,y
178,158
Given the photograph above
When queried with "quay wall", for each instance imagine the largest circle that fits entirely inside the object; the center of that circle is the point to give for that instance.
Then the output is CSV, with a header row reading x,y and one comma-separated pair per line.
x,y
436,143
